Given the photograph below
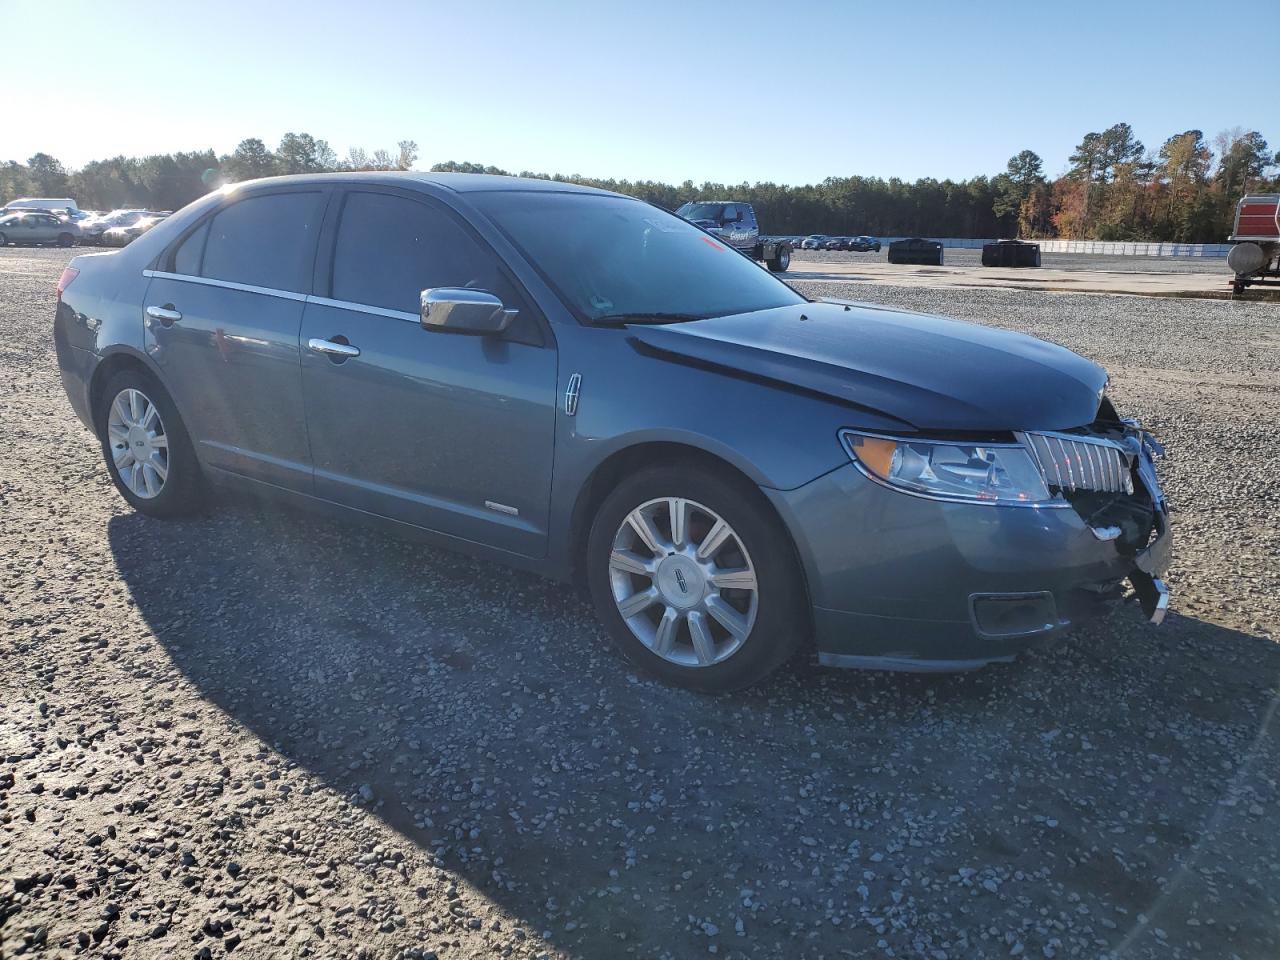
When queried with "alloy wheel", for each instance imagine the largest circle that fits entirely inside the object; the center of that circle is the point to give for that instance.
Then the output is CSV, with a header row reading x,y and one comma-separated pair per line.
x,y
139,444
683,582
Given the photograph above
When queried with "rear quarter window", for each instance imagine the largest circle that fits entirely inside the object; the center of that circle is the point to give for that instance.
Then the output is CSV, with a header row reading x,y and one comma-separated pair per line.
x,y
187,258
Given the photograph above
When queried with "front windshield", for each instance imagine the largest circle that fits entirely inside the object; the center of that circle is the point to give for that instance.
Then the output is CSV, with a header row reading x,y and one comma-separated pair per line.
x,y
702,211
613,257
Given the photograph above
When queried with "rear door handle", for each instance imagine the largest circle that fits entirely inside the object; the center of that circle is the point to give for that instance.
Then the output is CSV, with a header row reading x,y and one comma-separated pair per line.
x,y
332,348
165,315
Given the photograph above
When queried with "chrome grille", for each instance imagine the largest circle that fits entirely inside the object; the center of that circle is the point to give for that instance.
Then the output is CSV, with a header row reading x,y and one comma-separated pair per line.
x,y
1074,463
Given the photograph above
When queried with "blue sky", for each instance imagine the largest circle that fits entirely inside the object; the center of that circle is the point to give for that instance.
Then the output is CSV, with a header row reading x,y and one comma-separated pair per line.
x,y
790,91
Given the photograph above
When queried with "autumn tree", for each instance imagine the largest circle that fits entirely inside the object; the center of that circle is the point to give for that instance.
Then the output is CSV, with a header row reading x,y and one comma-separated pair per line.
x,y
1023,177
1184,162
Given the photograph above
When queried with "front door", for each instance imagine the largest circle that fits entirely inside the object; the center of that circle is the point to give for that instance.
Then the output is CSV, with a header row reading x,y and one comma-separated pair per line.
x,y
446,431
222,321
27,230
45,228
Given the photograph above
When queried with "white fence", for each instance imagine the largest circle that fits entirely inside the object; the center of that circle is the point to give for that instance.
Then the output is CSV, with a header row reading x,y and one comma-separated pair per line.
x,y
1101,247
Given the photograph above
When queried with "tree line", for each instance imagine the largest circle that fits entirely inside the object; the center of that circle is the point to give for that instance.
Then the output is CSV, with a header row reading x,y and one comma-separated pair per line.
x,y
1115,188
172,180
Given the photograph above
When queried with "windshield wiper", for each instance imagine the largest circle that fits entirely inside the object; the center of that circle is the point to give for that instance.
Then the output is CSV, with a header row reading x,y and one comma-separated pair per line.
x,y
647,318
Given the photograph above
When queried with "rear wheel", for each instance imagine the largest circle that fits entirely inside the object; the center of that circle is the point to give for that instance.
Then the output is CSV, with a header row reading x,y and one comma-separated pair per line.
x,y
146,447
4,241
695,579
781,259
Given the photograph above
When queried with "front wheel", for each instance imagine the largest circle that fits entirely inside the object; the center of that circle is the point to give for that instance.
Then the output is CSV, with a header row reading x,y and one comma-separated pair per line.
x,y
695,578
148,452
4,241
780,260
65,240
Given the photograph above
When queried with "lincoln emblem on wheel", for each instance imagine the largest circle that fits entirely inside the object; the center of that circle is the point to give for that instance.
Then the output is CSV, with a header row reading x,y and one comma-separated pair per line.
x,y
755,475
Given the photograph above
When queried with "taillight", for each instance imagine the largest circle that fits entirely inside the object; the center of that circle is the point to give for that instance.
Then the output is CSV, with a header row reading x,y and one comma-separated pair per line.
x,y
64,281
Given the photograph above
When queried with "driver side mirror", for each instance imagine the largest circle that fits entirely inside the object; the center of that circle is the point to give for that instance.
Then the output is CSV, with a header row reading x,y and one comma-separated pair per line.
x,y
463,310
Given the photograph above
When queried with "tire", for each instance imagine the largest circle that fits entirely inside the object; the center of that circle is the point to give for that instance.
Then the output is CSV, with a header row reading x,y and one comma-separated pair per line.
x,y
4,241
65,239
781,259
180,491
769,613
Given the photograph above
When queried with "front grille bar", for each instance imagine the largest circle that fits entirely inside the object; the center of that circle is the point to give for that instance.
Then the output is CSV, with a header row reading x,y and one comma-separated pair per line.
x,y
1072,463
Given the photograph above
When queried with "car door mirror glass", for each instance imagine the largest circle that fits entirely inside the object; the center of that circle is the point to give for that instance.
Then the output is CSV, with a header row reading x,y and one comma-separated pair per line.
x,y
462,310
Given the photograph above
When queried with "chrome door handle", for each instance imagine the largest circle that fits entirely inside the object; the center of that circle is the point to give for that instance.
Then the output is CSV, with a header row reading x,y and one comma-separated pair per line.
x,y
332,348
164,314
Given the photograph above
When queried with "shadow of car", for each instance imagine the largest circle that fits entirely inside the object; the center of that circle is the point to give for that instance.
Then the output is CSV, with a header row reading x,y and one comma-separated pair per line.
x,y
480,717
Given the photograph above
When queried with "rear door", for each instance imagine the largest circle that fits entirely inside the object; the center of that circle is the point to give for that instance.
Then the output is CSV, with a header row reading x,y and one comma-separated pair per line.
x,y
445,431
237,283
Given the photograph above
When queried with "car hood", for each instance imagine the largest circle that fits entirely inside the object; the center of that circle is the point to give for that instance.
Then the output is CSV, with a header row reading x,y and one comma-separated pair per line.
x,y
926,372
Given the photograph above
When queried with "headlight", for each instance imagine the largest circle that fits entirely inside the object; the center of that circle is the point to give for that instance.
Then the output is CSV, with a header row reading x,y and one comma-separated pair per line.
x,y
996,473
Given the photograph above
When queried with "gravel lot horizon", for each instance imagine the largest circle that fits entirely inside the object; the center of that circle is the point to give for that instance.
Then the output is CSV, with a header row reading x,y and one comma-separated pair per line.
x,y
261,734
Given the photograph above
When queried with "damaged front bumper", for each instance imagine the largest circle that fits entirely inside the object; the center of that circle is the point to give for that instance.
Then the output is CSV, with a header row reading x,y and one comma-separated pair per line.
x,y
905,583
1152,563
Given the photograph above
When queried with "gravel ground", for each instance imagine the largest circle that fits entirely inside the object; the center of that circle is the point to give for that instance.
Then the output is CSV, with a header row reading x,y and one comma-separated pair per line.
x,y
961,257
262,735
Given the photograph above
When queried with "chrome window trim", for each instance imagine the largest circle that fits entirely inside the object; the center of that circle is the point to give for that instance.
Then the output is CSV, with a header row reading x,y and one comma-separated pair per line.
x,y
286,295
226,285
845,432
365,308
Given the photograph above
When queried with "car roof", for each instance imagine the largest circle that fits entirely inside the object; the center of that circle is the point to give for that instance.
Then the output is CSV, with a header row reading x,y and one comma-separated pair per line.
x,y
457,182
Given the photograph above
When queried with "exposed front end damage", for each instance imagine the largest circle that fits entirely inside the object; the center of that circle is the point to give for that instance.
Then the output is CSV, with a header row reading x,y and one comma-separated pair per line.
x,y
911,582
1107,473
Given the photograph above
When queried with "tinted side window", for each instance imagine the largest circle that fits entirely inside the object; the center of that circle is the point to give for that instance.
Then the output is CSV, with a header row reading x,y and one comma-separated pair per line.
x,y
186,259
264,241
390,249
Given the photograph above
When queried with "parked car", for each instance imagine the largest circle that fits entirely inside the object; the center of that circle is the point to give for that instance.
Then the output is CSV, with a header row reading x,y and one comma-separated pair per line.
x,y
578,383
837,243
93,228
916,250
125,233
35,227
864,244
51,204
813,242
1011,253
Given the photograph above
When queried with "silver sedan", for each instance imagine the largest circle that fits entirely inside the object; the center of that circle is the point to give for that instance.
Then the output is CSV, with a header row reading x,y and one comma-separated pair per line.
x,y
37,227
